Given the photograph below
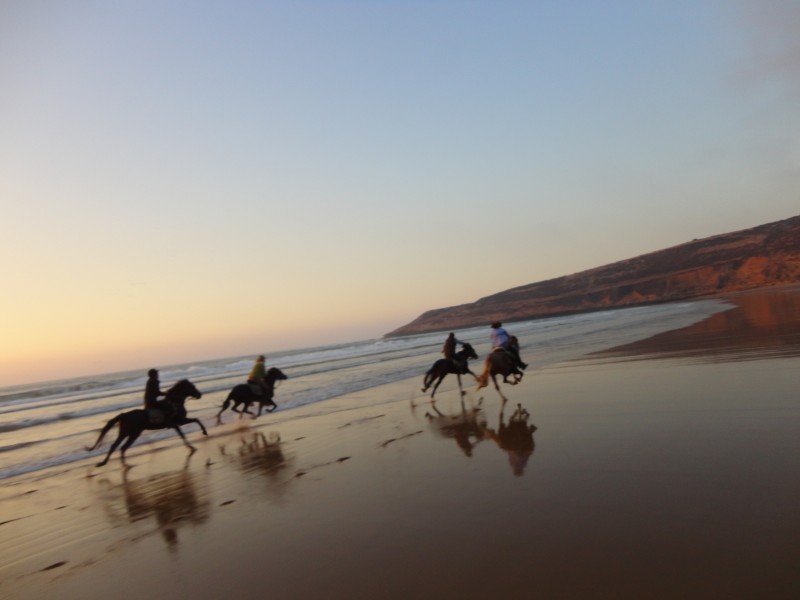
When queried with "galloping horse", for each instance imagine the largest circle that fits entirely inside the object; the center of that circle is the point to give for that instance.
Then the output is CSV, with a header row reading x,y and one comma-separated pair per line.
x,y
444,366
500,362
245,394
133,422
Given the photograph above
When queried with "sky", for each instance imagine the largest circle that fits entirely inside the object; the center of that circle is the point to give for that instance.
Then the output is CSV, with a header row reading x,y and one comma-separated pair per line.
x,y
191,180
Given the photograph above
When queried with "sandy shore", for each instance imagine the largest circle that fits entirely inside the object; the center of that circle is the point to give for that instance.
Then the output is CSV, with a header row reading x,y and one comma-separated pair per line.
x,y
667,469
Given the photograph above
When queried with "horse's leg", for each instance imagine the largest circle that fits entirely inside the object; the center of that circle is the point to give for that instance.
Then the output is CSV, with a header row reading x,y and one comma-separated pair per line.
x,y
183,437
435,387
517,375
473,374
187,420
122,435
132,437
460,389
497,387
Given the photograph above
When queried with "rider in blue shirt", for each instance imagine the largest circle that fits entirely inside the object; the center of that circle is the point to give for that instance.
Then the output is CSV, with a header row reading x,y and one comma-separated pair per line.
x,y
501,339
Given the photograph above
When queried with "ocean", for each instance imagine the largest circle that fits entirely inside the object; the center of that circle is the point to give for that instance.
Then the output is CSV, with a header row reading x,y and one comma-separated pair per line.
x,y
49,424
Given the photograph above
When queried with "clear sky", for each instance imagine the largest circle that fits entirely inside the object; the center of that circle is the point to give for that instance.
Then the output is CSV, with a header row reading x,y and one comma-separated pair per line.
x,y
186,180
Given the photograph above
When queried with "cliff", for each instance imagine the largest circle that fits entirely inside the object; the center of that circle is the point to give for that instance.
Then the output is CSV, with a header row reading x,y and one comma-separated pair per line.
x,y
761,256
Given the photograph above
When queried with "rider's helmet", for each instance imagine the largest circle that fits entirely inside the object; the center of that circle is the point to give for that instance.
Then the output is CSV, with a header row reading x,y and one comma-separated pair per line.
x,y
496,324
152,373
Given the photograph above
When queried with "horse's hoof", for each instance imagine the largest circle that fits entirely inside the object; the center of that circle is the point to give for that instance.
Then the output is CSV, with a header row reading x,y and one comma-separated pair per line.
x,y
101,464
192,449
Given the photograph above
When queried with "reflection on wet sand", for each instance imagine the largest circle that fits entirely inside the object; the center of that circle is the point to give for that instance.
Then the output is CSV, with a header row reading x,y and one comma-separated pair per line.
x,y
515,438
469,428
260,454
763,324
466,428
172,498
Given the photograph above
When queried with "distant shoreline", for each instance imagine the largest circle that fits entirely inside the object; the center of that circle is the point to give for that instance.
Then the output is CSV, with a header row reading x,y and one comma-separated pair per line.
x,y
731,294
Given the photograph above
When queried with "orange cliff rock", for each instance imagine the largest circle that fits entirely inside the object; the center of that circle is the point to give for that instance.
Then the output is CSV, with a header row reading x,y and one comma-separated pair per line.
x,y
761,256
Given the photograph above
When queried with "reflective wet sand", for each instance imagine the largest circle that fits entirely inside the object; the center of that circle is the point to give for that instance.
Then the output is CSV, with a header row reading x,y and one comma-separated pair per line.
x,y
668,468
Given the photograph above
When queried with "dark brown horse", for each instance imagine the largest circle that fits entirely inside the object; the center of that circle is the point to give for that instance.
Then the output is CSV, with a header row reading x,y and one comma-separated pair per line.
x,y
134,422
246,394
443,367
500,362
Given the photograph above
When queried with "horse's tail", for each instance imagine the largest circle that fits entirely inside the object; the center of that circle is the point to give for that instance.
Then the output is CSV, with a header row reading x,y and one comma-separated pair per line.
x,y
483,378
226,404
429,376
105,430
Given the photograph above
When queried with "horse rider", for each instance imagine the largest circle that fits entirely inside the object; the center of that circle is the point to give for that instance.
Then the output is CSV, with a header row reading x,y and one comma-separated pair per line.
x,y
501,339
258,374
449,348
156,411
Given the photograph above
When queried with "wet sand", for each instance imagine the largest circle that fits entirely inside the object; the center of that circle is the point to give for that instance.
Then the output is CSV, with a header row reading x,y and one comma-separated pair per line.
x,y
669,468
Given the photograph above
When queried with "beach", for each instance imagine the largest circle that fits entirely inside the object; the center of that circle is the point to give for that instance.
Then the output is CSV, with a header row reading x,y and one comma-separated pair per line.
x,y
663,467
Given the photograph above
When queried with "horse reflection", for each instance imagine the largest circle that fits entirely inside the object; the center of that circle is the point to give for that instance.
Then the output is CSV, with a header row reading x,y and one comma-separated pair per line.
x,y
260,454
171,498
516,438
466,428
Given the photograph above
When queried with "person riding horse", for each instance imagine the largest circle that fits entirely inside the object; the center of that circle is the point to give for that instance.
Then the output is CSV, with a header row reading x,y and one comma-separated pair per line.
x,y
158,411
256,379
502,339
456,365
449,348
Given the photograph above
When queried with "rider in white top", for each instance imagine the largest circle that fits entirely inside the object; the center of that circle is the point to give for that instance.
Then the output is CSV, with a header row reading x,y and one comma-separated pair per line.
x,y
501,339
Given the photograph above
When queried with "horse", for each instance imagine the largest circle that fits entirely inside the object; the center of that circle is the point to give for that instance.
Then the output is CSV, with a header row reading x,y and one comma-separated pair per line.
x,y
133,422
499,362
442,367
245,394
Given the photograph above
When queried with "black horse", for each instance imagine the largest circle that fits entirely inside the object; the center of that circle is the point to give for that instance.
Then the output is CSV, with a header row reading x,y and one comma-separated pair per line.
x,y
246,394
133,422
442,367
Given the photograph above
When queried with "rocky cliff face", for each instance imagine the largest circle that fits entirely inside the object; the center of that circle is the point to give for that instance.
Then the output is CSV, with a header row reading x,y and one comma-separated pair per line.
x,y
761,256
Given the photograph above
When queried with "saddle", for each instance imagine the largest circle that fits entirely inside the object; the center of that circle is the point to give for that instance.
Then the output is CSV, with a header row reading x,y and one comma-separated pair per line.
x,y
160,413
156,416
460,364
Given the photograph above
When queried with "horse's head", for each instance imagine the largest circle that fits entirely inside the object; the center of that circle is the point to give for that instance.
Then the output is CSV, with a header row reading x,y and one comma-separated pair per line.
x,y
275,374
182,390
469,351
